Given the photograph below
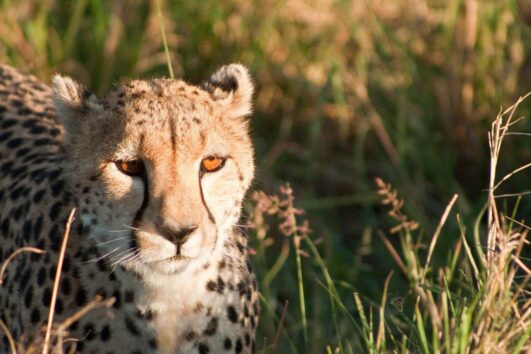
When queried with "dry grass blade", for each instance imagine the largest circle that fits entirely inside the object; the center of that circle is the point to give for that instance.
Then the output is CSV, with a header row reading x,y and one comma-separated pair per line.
x,y
499,129
394,254
518,223
280,324
503,316
438,232
521,264
509,175
10,339
94,304
56,282
12,255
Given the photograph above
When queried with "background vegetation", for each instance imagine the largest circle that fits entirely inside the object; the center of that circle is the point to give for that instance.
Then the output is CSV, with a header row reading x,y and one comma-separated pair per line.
x,y
347,91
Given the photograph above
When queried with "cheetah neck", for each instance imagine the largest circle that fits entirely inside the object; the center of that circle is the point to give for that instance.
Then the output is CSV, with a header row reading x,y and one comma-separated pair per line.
x,y
178,303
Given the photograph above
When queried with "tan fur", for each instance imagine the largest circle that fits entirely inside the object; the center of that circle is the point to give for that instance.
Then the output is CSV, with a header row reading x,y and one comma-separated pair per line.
x,y
127,225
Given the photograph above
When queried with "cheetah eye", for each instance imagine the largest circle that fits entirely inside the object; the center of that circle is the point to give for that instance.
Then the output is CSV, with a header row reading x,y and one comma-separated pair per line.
x,y
212,164
131,168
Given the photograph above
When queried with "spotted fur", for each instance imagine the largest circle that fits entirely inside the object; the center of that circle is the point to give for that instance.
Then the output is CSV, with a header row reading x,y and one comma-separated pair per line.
x,y
173,294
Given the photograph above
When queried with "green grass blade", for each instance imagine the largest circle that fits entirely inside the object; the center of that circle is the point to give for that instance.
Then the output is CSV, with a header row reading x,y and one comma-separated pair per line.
x,y
422,332
164,40
300,284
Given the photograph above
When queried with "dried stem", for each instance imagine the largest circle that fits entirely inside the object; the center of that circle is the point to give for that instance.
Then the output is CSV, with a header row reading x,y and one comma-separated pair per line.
x,y
56,282
12,255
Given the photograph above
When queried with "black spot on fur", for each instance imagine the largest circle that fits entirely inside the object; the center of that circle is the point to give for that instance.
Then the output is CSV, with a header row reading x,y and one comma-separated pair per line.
x,y
41,276
227,343
46,297
38,129
131,326
203,348
238,347
37,226
54,174
211,327
52,271
16,193
17,212
22,152
59,306
35,316
129,296
55,238
28,298
55,210
5,227
14,143
5,135
81,297
211,285
105,333
90,332
189,336
232,315
220,285
57,188
8,122
66,287
43,142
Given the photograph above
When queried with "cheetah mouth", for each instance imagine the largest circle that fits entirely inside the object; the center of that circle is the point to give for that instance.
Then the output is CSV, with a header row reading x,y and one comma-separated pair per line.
x,y
175,258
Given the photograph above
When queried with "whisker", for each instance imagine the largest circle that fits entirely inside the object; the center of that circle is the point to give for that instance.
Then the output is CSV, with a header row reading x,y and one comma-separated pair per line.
x,y
131,227
113,240
126,258
124,252
97,259
243,226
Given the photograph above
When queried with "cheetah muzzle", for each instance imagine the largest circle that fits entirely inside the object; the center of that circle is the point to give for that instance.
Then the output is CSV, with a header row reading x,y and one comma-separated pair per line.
x,y
157,170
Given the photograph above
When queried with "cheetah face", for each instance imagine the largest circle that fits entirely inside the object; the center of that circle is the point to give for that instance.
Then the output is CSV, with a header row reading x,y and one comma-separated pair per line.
x,y
159,167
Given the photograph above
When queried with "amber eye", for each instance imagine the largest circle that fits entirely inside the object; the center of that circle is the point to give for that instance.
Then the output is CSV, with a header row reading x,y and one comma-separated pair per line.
x,y
131,168
212,164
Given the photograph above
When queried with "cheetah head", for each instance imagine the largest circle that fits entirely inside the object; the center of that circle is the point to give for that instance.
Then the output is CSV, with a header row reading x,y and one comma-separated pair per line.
x,y
159,167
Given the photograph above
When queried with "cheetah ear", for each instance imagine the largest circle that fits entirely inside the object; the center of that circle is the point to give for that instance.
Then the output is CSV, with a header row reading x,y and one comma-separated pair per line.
x,y
72,101
232,87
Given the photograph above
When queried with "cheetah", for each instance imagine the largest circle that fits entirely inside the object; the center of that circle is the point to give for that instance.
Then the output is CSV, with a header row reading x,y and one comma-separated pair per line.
x,y
157,171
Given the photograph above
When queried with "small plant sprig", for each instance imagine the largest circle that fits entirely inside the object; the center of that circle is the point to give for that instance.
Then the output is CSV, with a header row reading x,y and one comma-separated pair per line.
x,y
282,206
391,198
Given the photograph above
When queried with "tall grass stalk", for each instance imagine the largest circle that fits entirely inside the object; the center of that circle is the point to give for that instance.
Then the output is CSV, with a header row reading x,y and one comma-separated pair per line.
x,y
164,40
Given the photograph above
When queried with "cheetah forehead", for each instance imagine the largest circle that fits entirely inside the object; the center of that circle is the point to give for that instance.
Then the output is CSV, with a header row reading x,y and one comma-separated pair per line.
x,y
167,112
143,102
222,102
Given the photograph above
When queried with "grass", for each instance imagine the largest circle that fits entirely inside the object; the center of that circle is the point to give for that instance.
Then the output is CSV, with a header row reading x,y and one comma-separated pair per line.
x,y
348,91
476,302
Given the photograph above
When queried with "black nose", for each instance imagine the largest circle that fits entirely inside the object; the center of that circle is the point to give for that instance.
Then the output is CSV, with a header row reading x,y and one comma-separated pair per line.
x,y
178,237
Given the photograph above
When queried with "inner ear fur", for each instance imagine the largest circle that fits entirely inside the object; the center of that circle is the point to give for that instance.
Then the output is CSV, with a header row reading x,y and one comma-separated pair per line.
x,y
231,86
73,101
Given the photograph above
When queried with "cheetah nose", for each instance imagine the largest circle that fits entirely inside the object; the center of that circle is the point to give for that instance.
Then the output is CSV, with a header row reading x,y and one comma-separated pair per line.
x,y
179,237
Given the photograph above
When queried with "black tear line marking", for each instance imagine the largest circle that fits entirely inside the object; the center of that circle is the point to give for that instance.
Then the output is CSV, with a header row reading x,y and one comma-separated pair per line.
x,y
145,201
210,216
